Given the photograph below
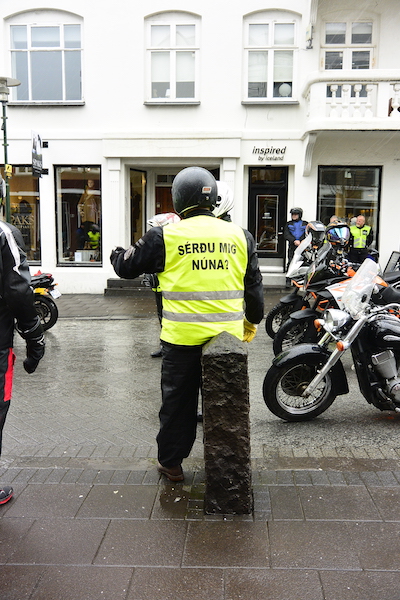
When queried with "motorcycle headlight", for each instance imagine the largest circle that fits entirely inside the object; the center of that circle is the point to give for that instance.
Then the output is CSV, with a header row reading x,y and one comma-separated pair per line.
x,y
335,319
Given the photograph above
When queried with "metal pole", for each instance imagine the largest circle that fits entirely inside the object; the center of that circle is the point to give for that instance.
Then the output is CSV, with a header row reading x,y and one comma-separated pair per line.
x,y
5,144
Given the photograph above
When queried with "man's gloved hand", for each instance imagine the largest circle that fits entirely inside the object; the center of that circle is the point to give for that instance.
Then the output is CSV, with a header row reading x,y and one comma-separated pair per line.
x,y
34,353
115,253
249,331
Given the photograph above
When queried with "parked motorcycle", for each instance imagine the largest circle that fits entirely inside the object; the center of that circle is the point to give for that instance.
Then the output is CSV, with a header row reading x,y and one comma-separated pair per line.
x,y
303,256
305,380
300,328
45,293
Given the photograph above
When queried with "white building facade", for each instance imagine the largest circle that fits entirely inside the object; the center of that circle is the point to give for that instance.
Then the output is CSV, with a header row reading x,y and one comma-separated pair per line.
x,y
292,103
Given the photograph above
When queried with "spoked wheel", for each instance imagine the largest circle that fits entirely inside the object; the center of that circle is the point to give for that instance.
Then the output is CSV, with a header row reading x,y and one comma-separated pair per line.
x,y
283,388
47,310
276,316
295,331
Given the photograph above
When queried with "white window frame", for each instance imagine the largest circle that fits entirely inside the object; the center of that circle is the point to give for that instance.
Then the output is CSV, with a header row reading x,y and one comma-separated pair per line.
x,y
271,21
172,19
48,18
347,48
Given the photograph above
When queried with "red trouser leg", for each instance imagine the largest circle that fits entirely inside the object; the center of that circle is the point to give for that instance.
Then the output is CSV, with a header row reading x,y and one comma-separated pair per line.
x,y
7,359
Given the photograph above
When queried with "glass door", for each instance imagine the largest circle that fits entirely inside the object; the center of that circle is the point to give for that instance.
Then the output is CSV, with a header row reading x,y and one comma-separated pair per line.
x,y
267,209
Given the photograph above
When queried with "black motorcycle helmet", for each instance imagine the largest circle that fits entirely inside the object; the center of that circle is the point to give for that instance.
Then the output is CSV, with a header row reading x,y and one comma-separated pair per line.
x,y
194,187
338,234
297,211
317,230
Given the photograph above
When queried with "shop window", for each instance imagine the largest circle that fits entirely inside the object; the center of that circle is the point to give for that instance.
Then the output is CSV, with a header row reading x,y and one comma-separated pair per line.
x,y
172,54
78,213
348,192
270,54
25,209
46,57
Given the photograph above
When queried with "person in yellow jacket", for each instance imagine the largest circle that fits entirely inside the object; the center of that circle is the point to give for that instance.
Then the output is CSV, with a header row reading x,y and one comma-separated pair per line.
x,y
361,237
210,281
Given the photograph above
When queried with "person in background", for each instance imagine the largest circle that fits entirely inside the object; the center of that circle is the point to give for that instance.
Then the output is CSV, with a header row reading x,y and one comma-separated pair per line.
x,y
294,233
210,281
16,304
225,202
361,237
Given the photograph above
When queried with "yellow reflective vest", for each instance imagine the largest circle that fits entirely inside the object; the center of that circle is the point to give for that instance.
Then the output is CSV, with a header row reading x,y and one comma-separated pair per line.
x,y
360,235
203,280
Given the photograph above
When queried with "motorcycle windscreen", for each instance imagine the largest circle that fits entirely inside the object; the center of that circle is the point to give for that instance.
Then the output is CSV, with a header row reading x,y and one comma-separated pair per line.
x,y
297,261
318,269
359,290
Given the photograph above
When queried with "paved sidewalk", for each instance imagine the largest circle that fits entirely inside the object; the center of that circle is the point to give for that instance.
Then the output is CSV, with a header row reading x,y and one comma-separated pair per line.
x,y
92,519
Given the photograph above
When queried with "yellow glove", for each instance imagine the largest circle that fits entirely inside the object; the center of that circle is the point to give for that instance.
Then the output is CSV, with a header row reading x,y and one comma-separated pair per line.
x,y
249,331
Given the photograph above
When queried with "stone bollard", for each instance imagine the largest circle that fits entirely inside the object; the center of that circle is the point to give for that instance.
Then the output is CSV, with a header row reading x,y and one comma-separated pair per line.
x,y
226,426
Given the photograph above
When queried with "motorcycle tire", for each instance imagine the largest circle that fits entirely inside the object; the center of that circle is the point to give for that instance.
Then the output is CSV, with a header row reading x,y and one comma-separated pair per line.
x,y
283,386
47,310
293,332
276,316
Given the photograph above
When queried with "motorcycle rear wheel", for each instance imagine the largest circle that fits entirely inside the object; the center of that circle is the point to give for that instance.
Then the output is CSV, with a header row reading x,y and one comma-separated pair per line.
x,y
47,310
284,385
276,317
295,331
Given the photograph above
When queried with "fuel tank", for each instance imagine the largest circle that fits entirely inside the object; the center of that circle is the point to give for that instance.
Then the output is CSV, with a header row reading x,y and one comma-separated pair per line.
x,y
385,333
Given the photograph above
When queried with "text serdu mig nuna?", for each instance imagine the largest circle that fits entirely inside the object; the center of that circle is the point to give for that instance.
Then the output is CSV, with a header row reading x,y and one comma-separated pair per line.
x,y
207,247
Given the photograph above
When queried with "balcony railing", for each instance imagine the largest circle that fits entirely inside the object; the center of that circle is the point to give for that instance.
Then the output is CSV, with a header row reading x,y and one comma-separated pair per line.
x,y
367,99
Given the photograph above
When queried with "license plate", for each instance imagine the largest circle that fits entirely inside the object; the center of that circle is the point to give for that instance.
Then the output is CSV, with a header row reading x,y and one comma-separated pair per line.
x,y
55,293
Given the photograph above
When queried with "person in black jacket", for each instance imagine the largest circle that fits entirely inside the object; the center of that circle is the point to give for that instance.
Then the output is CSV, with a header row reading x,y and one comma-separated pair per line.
x,y
210,282
16,305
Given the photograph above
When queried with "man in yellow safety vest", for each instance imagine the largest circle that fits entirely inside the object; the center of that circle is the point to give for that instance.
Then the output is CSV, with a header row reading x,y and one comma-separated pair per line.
x,y
210,281
360,239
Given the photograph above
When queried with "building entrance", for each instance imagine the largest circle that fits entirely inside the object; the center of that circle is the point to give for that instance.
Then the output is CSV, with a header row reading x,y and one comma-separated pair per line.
x,y
268,187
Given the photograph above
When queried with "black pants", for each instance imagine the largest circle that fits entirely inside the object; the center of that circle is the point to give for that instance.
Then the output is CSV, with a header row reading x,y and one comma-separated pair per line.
x,y
7,359
180,387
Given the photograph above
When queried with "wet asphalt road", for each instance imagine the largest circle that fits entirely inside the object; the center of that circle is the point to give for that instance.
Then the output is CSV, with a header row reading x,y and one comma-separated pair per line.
x,y
98,385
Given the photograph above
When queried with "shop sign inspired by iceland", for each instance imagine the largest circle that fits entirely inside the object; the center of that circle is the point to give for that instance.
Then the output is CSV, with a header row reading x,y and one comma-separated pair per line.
x,y
269,153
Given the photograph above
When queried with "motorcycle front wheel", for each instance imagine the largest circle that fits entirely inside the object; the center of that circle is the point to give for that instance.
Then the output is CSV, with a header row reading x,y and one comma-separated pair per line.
x,y
295,331
47,310
276,316
283,388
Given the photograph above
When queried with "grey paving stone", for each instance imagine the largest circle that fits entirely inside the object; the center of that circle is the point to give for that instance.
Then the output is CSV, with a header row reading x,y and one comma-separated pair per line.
x,y
337,503
47,501
387,502
143,543
226,544
177,584
80,540
312,545
83,582
377,544
18,582
11,531
271,584
285,503
365,585
119,502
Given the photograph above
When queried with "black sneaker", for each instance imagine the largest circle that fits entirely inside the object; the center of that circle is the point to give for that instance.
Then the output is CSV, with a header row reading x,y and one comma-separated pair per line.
x,y
6,493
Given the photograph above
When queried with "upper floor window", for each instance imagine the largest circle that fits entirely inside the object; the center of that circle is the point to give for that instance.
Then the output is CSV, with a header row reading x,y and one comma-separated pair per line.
x,y
172,57
270,49
46,58
348,45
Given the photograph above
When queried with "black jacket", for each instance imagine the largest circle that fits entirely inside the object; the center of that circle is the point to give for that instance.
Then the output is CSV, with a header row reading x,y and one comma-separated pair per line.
x,y
16,293
148,256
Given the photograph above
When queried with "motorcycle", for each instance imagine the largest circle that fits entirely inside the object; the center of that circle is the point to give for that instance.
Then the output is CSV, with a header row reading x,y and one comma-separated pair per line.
x,y
303,256
304,381
300,328
45,293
